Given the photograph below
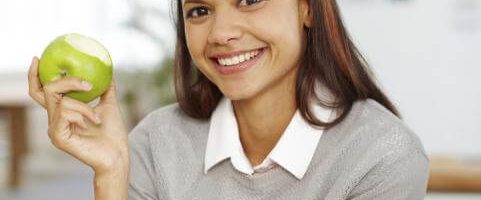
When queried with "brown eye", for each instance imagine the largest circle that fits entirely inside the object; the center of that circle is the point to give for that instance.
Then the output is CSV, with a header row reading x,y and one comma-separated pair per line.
x,y
249,2
197,12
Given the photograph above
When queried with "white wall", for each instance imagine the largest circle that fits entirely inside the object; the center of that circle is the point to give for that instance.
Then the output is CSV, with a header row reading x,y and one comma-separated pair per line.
x,y
426,55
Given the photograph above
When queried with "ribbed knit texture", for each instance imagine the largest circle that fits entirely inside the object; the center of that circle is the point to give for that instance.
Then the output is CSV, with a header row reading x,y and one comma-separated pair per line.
x,y
369,155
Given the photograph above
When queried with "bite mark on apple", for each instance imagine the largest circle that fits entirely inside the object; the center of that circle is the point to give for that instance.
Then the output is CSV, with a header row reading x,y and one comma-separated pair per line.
x,y
88,46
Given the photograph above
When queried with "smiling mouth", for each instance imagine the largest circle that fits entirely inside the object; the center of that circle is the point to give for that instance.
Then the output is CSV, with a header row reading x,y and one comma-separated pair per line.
x,y
237,59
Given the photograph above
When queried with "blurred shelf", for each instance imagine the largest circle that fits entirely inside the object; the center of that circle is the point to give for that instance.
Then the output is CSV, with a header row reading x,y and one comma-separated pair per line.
x,y
456,175
17,141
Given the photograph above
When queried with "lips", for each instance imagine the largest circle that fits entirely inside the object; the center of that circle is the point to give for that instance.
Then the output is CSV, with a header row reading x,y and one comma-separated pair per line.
x,y
237,62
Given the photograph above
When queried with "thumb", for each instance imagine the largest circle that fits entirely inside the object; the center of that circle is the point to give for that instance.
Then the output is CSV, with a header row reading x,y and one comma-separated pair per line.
x,y
109,96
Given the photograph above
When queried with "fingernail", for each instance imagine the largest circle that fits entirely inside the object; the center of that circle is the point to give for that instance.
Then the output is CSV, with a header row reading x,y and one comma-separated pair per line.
x,y
97,118
86,85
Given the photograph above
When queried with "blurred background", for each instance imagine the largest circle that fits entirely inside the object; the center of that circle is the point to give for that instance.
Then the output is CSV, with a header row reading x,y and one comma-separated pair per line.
x,y
425,53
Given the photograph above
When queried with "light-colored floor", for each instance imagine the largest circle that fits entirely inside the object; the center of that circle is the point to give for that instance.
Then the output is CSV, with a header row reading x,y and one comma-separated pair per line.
x,y
52,177
72,187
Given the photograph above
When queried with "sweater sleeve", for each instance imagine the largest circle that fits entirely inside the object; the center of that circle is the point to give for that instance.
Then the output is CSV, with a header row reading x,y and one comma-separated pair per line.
x,y
141,179
404,179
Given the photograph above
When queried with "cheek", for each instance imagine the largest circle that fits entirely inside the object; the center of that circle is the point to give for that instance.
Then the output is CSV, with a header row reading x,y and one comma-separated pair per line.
x,y
284,49
282,31
195,43
196,39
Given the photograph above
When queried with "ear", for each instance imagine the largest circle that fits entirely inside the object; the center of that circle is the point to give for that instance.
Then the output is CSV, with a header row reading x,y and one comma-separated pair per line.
x,y
305,12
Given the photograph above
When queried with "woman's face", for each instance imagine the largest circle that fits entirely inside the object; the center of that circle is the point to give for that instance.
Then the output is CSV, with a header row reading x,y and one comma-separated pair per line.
x,y
245,46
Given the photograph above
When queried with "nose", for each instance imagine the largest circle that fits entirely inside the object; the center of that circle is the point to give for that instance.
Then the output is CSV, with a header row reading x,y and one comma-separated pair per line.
x,y
226,28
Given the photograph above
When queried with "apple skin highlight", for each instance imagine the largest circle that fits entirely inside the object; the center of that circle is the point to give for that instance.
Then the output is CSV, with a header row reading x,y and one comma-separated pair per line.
x,y
61,59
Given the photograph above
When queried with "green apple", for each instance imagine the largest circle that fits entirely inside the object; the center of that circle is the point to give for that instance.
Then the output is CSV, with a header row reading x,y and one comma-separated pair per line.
x,y
80,56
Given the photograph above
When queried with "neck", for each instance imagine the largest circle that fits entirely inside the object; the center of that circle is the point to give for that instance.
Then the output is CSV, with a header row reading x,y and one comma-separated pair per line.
x,y
263,118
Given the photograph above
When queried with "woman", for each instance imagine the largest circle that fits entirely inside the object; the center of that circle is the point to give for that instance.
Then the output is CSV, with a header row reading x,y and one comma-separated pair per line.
x,y
274,102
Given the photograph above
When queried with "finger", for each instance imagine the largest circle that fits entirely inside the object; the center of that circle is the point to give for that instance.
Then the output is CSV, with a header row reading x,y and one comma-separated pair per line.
x,y
75,118
53,91
110,96
60,131
84,109
67,84
34,85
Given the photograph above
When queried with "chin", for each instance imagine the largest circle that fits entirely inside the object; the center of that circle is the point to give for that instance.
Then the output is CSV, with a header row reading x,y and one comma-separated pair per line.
x,y
239,94
235,96
240,89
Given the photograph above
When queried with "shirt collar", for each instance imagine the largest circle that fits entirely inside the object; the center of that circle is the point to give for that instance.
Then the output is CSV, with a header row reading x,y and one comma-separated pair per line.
x,y
293,151
222,135
296,147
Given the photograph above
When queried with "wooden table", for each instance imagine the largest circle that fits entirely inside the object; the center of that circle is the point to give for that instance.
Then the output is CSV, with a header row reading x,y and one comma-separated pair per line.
x,y
454,174
17,121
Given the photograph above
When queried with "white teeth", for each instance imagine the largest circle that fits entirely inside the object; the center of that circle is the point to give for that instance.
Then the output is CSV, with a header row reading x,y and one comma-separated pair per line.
x,y
237,59
242,58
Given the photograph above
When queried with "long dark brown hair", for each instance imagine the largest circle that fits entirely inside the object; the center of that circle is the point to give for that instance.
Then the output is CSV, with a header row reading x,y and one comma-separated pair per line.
x,y
330,58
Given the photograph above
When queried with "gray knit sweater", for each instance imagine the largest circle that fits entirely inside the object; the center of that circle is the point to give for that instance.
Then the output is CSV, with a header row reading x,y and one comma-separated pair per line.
x,y
371,154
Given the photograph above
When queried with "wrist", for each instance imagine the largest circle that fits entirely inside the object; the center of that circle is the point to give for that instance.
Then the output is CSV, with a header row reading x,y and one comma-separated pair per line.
x,y
112,184
121,172
117,163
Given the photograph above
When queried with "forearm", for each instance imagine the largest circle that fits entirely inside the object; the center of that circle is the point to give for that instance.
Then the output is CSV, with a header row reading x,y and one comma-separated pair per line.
x,y
113,185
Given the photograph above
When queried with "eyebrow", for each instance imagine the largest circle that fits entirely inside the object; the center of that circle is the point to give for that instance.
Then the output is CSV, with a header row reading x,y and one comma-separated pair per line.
x,y
194,1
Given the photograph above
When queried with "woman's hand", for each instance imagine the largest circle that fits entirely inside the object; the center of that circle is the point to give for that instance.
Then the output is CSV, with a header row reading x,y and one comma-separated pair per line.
x,y
96,136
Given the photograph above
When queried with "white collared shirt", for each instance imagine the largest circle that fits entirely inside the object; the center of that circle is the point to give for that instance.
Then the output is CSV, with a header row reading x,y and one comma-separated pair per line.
x,y
293,151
